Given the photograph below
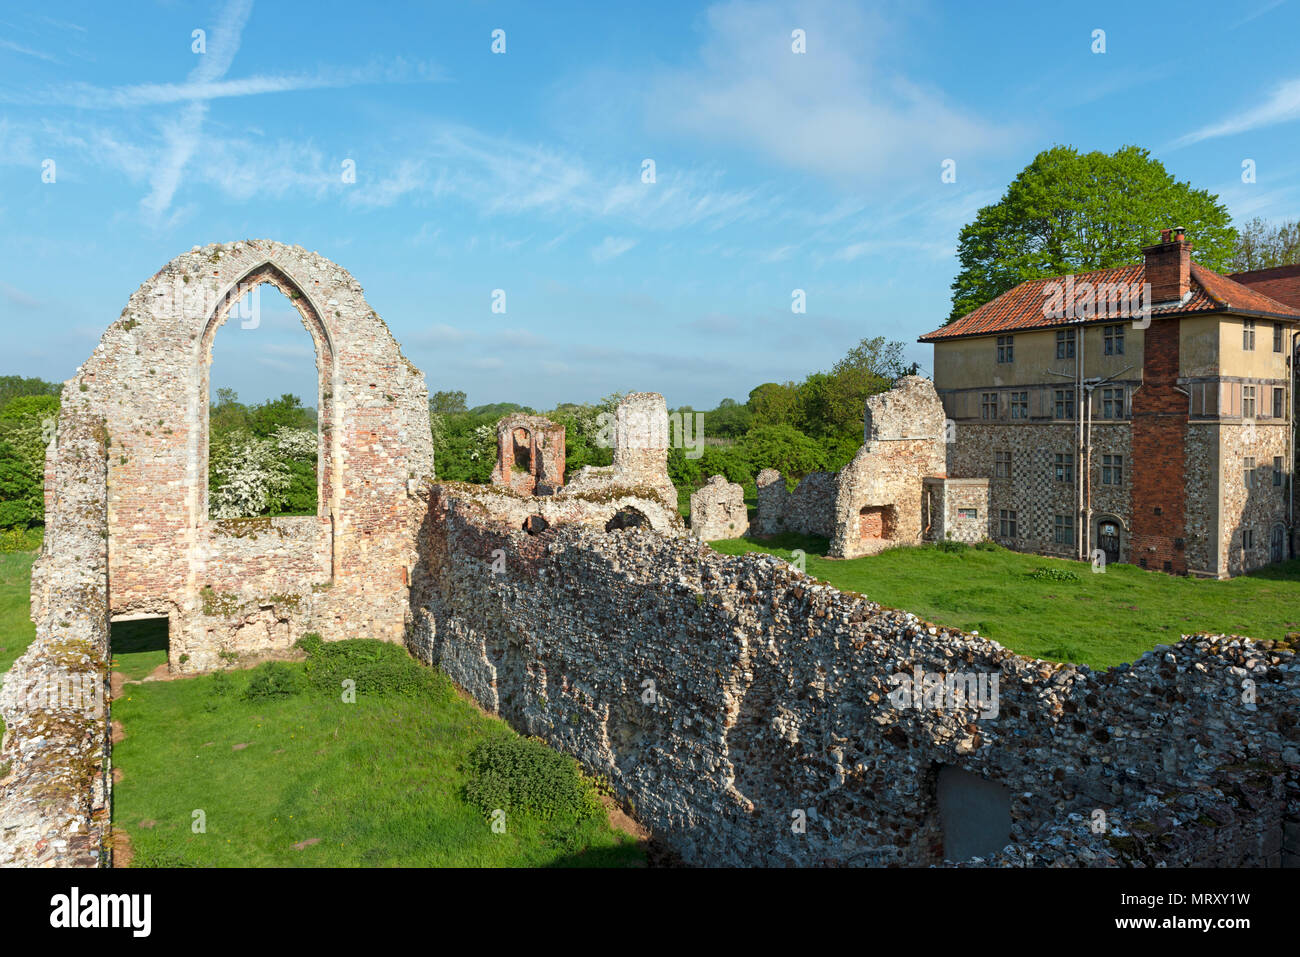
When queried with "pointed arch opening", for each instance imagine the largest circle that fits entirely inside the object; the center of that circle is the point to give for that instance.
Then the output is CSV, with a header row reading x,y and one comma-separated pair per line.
x,y
270,457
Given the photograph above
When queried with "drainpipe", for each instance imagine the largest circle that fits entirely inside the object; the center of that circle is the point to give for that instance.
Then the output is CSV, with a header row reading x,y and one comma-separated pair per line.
x,y
1290,441
1082,450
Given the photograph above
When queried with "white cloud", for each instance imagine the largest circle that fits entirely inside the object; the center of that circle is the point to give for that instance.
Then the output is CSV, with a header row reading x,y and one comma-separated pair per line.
x,y
611,247
837,110
1281,106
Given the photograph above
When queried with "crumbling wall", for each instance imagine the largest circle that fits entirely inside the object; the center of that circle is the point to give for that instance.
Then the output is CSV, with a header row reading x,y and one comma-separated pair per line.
x,y
248,585
808,510
639,437
878,501
755,717
54,783
594,509
718,510
955,509
530,454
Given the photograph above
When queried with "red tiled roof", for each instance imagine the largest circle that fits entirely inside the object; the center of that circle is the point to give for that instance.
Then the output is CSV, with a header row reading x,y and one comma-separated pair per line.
x,y
1025,306
1281,282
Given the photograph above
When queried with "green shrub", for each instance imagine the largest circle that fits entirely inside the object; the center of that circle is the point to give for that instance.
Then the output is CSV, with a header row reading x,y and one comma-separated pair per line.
x,y
377,668
952,546
520,775
1053,575
988,545
273,680
21,539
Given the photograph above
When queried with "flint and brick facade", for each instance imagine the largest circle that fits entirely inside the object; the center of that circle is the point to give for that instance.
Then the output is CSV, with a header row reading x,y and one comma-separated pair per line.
x,y
1164,438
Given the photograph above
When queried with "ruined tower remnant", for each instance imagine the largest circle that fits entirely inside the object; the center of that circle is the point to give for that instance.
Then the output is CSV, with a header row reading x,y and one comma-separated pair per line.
x,y
530,455
718,511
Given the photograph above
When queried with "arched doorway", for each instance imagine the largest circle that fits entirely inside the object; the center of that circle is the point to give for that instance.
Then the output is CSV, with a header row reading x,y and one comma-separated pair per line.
x,y
1277,543
1108,539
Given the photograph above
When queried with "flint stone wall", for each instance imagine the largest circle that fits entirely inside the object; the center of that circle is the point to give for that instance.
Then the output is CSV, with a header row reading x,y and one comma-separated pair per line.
x,y
54,760
640,448
722,695
511,509
257,584
808,510
718,510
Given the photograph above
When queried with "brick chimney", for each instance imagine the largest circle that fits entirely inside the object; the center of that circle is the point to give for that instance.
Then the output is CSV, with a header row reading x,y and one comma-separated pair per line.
x,y
1169,266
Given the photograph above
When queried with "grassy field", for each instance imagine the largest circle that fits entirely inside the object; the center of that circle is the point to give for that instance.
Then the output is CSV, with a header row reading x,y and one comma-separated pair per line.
x,y
308,780
16,628
1101,619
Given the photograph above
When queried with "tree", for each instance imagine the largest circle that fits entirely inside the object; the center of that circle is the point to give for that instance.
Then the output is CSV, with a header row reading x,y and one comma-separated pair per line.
x,y
1263,246
783,448
447,403
775,404
1069,212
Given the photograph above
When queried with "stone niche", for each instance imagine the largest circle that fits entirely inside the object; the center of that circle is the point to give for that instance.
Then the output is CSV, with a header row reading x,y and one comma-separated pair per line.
x,y
530,455
230,587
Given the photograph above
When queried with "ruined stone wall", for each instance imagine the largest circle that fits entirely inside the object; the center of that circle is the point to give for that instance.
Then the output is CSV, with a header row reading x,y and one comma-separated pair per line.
x,y
530,454
231,586
597,509
54,782
946,499
730,698
808,510
718,510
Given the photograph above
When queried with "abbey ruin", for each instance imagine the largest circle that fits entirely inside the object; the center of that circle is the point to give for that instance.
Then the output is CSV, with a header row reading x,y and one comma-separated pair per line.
x,y
750,714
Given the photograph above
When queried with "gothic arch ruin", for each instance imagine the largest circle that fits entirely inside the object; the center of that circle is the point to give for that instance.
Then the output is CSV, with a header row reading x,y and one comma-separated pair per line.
x,y
237,586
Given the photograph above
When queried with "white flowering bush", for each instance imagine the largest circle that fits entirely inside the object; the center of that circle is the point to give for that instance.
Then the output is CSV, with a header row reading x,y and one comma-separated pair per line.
x,y
252,476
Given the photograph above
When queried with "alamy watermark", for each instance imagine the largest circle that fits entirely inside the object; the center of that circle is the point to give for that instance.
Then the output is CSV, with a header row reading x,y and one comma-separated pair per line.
x,y
930,690
1074,299
647,429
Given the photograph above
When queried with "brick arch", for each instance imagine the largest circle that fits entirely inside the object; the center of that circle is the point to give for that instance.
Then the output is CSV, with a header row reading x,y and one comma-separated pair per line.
x,y
268,273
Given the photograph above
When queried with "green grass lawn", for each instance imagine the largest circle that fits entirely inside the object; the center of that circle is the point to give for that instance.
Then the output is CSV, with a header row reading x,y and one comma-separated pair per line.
x,y
1100,619
16,628
377,783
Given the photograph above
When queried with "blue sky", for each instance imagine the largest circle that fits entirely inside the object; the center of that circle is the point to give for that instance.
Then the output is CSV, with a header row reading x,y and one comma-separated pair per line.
x,y
522,171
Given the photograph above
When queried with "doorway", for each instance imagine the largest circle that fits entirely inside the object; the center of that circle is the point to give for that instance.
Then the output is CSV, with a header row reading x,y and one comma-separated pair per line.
x,y
138,646
1108,540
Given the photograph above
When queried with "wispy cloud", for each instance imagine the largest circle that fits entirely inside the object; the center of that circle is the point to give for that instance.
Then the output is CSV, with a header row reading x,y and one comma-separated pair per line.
x,y
1266,8
26,51
90,97
836,110
611,247
181,136
1281,106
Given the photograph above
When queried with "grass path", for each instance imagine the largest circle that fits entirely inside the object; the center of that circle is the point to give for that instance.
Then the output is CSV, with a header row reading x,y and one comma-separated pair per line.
x,y
1101,619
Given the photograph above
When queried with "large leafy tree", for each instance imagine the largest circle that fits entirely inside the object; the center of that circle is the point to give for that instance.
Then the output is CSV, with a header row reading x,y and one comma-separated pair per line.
x,y
1069,211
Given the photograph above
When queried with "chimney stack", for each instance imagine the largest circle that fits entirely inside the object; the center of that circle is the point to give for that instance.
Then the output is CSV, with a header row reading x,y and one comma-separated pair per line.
x,y
1169,266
